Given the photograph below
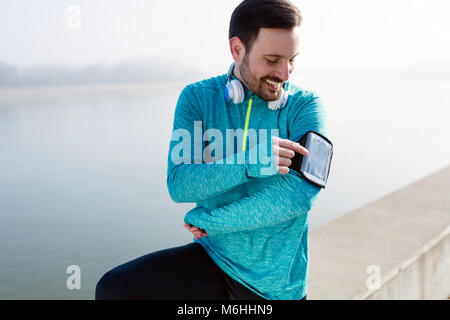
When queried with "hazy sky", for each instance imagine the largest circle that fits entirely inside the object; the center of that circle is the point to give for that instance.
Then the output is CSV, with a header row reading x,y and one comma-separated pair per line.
x,y
334,33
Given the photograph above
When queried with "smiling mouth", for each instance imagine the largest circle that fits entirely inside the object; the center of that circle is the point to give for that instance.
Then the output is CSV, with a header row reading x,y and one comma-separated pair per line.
x,y
274,85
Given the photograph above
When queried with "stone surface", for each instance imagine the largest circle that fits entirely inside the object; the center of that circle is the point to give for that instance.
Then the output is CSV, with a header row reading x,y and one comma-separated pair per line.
x,y
392,231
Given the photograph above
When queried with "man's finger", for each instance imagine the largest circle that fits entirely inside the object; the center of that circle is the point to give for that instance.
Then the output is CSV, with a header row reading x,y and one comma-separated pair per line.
x,y
283,170
284,162
191,227
284,152
295,146
200,233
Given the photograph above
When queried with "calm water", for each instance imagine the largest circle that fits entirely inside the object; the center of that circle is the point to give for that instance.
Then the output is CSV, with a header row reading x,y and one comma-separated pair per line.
x,y
83,170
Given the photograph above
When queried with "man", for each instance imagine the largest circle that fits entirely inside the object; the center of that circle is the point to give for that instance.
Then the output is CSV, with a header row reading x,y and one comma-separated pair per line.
x,y
250,223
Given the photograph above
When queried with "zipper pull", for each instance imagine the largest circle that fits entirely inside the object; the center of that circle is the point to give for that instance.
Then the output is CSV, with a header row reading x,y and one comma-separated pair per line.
x,y
247,118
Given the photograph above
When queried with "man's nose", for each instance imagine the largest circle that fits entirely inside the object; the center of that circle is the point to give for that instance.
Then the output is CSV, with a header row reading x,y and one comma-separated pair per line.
x,y
284,71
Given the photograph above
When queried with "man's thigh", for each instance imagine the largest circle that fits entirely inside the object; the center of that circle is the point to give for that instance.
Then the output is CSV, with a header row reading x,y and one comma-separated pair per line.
x,y
184,272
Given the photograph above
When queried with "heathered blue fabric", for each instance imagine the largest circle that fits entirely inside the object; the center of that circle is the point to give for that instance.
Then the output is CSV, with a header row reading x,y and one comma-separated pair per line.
x,y
257,220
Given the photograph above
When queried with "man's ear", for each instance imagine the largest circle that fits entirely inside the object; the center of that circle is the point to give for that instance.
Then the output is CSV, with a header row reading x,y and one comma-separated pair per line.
x,y
237,49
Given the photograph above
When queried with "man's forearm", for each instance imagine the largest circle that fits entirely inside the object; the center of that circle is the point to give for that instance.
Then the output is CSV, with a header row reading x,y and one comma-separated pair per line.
x,y
281,201
198,182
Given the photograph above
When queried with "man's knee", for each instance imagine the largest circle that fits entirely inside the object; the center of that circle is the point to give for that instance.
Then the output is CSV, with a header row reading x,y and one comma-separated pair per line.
x,y
110,287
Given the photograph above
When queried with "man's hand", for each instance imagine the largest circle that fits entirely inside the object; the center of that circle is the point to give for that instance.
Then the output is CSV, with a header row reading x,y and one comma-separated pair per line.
x,y
284,150
197,232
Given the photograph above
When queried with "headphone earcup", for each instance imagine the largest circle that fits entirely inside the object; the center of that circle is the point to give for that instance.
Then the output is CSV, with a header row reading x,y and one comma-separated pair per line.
x,y
281,102
284,98
235,91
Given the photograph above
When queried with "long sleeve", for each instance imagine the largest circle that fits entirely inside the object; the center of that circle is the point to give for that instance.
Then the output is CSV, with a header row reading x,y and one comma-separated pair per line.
x,y
191,180
287,197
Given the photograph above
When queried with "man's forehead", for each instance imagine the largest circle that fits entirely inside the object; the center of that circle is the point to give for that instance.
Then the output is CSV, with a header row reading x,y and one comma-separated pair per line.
x,y
278,42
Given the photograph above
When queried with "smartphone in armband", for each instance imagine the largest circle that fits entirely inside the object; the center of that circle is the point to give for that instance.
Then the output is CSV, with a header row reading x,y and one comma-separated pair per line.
x,y
314,167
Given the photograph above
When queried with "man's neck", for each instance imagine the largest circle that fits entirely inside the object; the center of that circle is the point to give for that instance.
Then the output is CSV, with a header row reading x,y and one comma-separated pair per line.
x,y
237,74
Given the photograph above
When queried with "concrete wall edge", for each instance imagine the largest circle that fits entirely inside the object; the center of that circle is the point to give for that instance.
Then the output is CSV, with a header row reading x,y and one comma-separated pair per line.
x,y
406,263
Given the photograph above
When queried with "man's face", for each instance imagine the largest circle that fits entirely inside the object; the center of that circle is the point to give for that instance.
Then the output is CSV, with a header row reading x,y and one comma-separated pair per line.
x,y
270,62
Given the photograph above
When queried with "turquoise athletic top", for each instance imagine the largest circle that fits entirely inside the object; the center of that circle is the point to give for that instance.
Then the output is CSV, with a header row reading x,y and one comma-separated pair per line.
x,y
255,217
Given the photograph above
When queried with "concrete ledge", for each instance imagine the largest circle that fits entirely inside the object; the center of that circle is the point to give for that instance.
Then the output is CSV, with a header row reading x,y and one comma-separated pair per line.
x,y
404,237
425,276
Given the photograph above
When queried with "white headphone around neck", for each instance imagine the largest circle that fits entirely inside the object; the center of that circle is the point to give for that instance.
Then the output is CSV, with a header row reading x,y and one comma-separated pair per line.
x,y
234,91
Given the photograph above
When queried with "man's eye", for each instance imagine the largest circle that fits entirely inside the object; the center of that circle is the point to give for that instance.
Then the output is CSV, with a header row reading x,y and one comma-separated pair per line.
x,y
272,61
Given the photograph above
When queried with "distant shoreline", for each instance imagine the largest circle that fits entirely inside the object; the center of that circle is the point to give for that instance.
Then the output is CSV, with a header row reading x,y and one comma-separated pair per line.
x,y
66,91
131,73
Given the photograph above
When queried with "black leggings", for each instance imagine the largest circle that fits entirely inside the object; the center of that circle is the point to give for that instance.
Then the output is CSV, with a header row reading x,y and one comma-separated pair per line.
x,y
181,273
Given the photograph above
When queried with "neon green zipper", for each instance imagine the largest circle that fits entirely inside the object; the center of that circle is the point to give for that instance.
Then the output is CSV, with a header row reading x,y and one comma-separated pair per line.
x,y
247,118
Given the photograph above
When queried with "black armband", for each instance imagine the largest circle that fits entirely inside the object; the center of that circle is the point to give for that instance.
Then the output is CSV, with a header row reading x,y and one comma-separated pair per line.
x,y
314,167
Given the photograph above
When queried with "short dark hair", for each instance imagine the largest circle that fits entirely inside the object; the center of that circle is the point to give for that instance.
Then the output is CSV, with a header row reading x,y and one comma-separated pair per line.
x,y
251,15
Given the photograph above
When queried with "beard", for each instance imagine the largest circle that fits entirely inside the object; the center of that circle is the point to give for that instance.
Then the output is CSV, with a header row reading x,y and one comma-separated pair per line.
x,y
259,86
